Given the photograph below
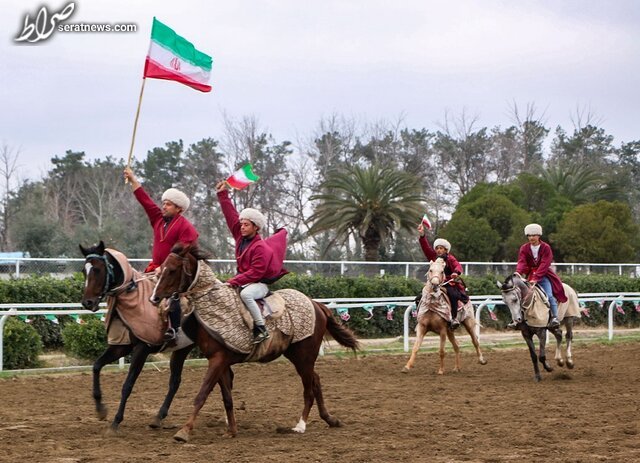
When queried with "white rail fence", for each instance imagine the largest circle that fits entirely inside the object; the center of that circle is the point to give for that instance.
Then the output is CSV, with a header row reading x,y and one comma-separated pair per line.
x,y
479,303
62,267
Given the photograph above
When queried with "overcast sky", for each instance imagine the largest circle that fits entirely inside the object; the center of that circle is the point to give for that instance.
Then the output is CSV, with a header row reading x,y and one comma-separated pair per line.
x,y
290,62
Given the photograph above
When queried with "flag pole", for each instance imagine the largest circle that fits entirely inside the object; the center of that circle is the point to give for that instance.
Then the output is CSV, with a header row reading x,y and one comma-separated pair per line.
x,y
135,126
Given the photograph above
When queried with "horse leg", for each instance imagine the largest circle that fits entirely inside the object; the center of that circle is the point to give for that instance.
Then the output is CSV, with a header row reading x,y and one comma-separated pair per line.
x,y
216,368
528,337
542,356
470,325
456,349
557,333
139,355
569,337
443,339
176,365
110,355
303,355
226,386
420,332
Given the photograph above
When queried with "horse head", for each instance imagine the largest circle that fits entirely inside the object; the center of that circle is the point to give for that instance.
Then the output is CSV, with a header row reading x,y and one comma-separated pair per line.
x,y
177,272
435,274
514,289
101,274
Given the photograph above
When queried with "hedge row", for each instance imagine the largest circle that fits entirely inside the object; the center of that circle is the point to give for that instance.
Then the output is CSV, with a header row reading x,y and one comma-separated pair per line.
x,y
39,289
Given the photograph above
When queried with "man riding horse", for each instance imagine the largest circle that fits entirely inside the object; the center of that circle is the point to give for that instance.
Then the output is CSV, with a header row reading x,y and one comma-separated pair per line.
x,y
452,271
169,228
534,261
259,261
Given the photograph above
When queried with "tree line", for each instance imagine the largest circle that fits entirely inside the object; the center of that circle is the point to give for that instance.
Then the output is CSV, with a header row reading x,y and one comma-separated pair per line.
x,y
353,191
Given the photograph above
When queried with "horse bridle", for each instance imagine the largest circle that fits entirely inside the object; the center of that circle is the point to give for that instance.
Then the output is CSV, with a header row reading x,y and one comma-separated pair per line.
x,y
110,278
185,273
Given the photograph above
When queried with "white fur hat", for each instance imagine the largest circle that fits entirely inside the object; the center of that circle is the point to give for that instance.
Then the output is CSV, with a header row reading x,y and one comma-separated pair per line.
x,y
255,216
533,229
442,242
177,197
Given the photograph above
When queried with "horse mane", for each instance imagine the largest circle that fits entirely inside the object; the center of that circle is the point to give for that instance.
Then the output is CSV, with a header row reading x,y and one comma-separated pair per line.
x,y
193,249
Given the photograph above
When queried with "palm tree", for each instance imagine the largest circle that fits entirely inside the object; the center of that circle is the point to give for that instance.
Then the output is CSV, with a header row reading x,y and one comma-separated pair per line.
x,y
371,202
582,184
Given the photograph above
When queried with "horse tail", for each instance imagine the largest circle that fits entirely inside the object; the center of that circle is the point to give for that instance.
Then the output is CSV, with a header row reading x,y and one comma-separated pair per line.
x,y
343,335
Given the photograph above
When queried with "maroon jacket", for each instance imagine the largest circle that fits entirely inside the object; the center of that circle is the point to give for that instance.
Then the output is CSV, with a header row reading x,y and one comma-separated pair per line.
x,y
535,269
261,260
453,266
179,230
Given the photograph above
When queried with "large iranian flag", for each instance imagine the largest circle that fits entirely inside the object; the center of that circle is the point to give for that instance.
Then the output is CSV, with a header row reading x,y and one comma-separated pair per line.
x,y
172,57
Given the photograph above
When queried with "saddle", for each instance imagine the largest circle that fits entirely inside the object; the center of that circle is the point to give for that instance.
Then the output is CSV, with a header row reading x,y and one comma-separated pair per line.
x,y
272,307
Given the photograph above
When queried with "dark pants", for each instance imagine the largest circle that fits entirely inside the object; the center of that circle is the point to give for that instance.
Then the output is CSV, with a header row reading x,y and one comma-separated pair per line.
x,y
175,313
456,294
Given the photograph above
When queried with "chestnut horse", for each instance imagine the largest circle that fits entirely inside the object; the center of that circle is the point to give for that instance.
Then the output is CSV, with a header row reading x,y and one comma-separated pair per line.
x,y
179,274
515,292
433,308
104,276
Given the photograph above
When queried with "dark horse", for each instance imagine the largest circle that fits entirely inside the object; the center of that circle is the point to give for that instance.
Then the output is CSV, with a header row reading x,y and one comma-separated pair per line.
x,y
515,294
180,271
105,276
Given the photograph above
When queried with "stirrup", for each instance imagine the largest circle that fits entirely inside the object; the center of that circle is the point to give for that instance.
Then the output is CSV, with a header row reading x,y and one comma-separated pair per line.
x,y
263,335
169,335
553,323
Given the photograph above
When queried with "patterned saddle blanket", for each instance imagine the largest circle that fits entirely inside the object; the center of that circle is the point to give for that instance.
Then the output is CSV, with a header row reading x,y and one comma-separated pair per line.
x,y
219,309
438,302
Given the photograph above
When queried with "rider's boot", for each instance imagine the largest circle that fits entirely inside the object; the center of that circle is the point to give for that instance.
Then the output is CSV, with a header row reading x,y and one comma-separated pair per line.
x,y
260,334
553,323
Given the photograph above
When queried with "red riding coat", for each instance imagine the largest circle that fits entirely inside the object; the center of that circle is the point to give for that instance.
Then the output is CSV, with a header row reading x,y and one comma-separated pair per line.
x,y
535,269
453,266
262,259
179,230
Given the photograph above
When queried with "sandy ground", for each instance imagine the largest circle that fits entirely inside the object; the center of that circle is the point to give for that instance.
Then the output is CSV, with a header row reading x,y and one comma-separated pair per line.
x,y
492,413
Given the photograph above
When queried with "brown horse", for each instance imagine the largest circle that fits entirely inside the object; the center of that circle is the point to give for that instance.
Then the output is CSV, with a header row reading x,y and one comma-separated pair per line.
x,y
433,315
180,274
108,276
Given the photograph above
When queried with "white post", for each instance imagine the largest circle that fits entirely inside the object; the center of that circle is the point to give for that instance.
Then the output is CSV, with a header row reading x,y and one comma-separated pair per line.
x,y
2,322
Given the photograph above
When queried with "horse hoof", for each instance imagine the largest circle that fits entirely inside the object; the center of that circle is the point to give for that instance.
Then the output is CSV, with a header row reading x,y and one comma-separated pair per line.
x,y
560,362
334,422
229,435
441,372
101,413
156,423
537,379
405,370
181,436
570,364
482,361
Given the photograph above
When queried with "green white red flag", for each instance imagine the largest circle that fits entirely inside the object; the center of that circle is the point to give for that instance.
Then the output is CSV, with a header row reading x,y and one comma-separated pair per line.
x,y
242,177
426,222
172,57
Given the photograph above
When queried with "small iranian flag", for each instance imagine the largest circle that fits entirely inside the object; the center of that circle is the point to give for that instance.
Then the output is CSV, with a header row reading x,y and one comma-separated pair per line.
x,y
172,57
425,221
242,177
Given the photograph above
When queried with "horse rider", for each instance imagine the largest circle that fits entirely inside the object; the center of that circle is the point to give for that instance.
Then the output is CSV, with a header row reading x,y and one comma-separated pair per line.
x,y
452,271
259,261
169,228
534,262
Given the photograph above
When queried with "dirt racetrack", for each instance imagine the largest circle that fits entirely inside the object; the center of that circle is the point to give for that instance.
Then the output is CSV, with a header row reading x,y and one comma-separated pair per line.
x,y
492,413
